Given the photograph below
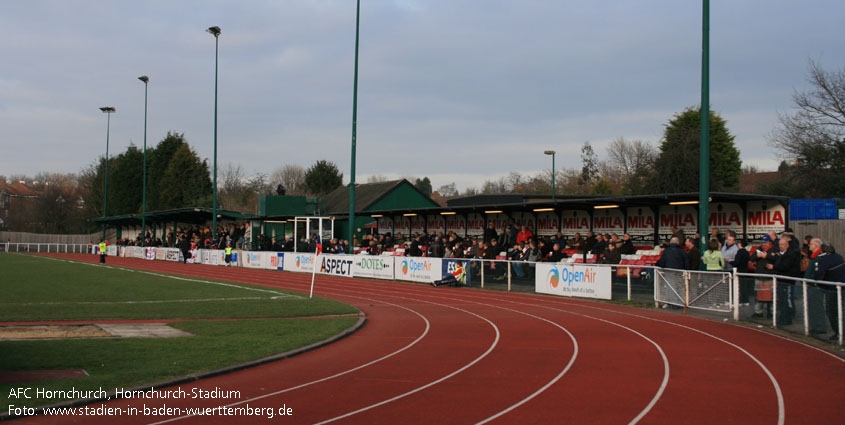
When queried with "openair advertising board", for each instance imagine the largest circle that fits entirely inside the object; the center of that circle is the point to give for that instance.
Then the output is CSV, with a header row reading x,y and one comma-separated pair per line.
x,y
609,220
475,224
376,267
548,224
573,280
640,223
253,259
764,216
574,221
294,262
418,269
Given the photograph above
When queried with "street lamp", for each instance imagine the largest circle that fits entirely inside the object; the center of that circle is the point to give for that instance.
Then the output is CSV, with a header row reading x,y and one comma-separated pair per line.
x,y
215,31
552,153
145,80
108,110
354,135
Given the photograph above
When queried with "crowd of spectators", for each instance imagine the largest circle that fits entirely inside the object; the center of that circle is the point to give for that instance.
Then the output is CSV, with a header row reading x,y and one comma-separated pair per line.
x,y
235,235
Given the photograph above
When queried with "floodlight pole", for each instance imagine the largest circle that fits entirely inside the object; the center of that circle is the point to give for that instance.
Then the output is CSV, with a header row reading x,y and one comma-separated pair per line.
x,y
552,153
145,80
351,248
704,160
108,110
215,31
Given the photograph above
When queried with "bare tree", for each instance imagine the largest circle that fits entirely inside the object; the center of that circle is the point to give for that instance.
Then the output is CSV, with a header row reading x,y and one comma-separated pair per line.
x,y
448,190
377,178
814,136
291,177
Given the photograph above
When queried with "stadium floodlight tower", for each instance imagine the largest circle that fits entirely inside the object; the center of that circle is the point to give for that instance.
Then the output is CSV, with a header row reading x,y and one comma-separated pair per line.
x,y
145,80
215,31
108,110
552,153
354,133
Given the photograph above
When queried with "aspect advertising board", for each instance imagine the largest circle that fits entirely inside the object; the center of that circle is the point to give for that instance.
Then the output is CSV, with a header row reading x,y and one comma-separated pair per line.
x,y
294,262
763,216
337,265
418,269
574,221
377,267
573,280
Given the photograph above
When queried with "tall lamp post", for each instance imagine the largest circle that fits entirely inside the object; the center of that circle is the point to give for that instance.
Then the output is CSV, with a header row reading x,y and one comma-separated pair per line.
x,y
146,81
704,159
215,31
552,153
354,129
108,110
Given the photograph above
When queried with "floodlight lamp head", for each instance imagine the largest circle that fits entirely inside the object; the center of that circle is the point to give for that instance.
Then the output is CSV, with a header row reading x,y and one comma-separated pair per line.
x,y
144,78
215,31
108,109
549,152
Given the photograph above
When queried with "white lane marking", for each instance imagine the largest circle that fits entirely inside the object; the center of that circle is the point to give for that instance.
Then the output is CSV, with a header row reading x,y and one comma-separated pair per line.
x,y
151,301
317,381
230,285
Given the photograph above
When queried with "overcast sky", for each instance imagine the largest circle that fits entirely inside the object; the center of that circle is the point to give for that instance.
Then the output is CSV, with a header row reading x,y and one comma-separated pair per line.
x,y
455,90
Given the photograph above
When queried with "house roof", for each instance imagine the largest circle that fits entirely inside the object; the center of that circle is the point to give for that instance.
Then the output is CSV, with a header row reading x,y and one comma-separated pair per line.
x,y
18,189
366,194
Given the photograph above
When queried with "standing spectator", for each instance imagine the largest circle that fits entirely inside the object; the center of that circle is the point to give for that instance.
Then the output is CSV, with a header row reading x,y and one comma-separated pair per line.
x,y
740,263
712,258
673,257
815,296
788,264
729,250
678,233
693,254
490,232
830,267
714,234
763,286
589,242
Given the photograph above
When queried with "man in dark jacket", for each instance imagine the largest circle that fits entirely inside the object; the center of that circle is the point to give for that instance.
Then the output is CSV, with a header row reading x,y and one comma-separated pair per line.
x,y
830,267
740,262
693,254
490,232
673,257
627,245
788,264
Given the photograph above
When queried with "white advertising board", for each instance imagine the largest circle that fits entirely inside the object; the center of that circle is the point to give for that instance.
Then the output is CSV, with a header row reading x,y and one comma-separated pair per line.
x,y
385,225
475,224
573,280
684,217
417,224
418,269
456,223
548,224
435,223
574,221
337,265
725,216
764,216
524,219
640,224
254,259
609,220
294,262
401,225
373,267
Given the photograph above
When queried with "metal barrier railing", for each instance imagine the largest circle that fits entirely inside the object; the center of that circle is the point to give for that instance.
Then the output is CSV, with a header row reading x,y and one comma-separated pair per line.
x,y
57,248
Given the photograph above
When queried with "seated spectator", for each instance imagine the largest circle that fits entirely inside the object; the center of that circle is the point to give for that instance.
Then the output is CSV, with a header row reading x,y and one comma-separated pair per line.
x,y
599,246
576,242
627,245
613,255
524,235
556,255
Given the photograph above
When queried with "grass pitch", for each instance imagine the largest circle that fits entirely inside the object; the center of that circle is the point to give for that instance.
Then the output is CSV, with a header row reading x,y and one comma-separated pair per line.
x,y
34,288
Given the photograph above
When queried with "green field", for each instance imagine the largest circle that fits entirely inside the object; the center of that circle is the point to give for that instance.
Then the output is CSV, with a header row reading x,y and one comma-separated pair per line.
x,y
35,288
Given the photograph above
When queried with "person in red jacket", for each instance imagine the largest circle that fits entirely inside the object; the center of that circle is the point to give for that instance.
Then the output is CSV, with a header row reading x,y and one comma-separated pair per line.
x,y
524,235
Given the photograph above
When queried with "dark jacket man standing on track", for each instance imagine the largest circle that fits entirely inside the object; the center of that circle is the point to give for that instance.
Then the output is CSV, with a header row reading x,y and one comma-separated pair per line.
x,y
787,263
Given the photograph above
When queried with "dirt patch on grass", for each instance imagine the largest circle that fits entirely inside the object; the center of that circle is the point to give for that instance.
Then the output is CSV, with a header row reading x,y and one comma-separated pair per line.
x,y
52,331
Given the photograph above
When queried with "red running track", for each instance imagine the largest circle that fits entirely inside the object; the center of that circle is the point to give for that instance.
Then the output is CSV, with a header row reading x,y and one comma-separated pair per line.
x,y
442,355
